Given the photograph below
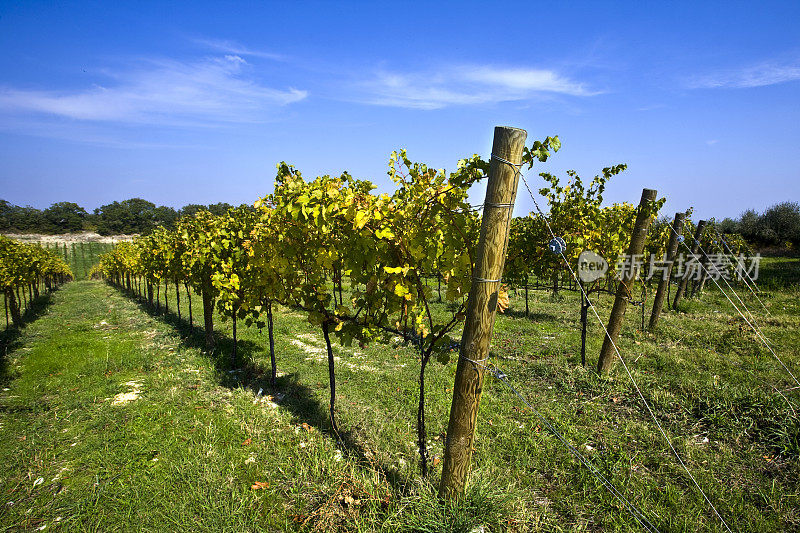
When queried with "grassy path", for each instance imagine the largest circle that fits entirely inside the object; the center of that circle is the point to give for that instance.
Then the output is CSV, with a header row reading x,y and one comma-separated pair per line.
x,y
114,419
107,423
111,419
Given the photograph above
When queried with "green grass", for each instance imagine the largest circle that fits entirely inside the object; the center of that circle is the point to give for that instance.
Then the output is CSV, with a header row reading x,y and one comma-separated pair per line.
x,y
80,256
175,457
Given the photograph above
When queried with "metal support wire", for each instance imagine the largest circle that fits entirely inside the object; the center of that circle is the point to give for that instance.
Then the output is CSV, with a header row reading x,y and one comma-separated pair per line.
x,y
625,366
746,273
510,207
756,329
637,513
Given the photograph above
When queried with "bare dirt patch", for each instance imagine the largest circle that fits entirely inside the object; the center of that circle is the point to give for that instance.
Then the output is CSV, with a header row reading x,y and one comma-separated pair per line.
x,y
317,352
85,236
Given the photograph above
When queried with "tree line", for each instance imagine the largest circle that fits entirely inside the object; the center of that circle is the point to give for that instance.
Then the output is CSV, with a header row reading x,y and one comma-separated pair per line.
x,y
778,226
128,217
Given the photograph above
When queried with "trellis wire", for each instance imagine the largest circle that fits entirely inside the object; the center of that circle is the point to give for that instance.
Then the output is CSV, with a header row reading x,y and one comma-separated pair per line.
x,y
708,273
622,360
637,513
756,330
746,273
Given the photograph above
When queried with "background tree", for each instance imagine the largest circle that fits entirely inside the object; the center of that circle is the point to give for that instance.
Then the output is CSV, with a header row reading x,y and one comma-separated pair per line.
x,y
133,216
65,217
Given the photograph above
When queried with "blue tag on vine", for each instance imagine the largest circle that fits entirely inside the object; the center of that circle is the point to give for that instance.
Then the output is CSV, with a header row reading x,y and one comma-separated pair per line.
x,y
557,245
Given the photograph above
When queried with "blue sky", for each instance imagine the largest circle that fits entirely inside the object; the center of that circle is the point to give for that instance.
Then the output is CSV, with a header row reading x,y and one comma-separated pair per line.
x,y
196,102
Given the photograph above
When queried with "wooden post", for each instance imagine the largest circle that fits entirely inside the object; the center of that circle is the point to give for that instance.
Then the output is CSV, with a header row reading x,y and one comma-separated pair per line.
x,y
235,339
527,309
189,298
663,283
208,312
698,288
584,315
274,366
698,232
643,218
178,298
501,191
669,290
14,306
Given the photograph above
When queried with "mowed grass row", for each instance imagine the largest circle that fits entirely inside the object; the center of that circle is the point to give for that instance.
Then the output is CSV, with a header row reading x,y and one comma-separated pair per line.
x,y
80,256
130,425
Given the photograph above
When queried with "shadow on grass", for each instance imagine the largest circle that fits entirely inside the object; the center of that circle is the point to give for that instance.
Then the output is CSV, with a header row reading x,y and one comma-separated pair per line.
x,y
300,400
10,337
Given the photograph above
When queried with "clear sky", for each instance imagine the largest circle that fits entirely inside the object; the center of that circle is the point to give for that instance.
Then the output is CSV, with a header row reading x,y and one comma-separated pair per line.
x,y
196,102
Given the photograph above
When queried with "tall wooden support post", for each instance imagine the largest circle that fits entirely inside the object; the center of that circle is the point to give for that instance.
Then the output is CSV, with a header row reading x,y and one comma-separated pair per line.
x,y
178,298
698,286
643,218
274,369
584,316
663,283
698,233
208,312
501,191
189,299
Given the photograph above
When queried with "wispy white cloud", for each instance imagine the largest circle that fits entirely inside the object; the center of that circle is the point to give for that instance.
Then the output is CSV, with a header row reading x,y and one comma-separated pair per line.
x,y
164,92
651,107
712,142
466,85
232,47
519,79
759,75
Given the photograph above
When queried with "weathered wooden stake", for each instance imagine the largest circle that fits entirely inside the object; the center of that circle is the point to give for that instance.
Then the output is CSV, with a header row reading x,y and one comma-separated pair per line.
x,y
643,218
189,298
178,298
698,287
527,309
274,369
663,283
584,315
208,312
698,233
501,191
235,339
